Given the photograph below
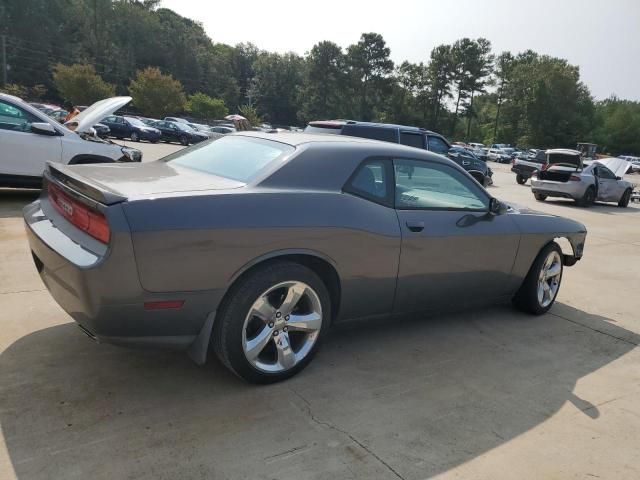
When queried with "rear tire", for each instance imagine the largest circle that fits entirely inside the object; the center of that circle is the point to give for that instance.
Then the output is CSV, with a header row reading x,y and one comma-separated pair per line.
x,y
267,288
588,198
533,297
520,179
539,197
624,200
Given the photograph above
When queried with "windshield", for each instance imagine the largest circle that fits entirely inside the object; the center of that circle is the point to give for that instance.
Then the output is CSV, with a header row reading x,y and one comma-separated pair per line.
x,y
135,122
238,158
508,150
184,127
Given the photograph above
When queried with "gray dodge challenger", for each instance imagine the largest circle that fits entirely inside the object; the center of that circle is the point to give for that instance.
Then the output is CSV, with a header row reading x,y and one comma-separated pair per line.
x,y
253,245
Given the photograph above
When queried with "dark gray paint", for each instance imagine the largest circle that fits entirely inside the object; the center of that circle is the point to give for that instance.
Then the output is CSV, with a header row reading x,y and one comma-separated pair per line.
x,y
188,235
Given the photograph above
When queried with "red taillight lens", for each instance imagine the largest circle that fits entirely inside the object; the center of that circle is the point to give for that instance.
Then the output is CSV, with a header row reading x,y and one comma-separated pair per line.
x,y
574,178
90,221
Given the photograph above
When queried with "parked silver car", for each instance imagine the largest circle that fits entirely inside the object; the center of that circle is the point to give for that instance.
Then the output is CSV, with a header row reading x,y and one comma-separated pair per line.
x,y
565,175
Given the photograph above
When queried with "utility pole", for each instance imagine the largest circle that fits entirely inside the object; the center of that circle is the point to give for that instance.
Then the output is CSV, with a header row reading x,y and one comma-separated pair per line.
x,y
4,59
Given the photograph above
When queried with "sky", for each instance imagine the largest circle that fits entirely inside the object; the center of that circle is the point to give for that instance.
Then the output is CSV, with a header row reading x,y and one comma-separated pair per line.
x,y
601,37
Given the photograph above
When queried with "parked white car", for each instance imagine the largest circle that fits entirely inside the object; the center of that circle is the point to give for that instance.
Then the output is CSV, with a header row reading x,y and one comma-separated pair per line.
x,y
29,138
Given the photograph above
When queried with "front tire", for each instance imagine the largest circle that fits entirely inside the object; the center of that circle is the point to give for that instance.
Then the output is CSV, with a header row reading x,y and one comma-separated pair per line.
x,y
135,137
184,140
540,288
539,197
624,200
520,179
270,324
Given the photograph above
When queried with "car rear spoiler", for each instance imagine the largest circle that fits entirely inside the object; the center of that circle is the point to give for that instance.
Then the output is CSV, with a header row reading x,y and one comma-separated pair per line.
x,y
81,184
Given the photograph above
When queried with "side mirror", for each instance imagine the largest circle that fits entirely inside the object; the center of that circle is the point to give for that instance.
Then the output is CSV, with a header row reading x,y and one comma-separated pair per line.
x,y
496,207
43,128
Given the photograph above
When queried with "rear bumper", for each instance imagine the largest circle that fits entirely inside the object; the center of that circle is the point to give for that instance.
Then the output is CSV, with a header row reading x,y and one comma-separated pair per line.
x,y
574,190
102,293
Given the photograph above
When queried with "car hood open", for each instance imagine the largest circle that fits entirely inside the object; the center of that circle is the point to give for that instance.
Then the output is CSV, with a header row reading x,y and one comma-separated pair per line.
x,y
85,120
618,166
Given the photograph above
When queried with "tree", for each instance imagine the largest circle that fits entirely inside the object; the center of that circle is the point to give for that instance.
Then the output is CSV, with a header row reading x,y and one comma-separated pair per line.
x,y
80,84
480,67
324,81
369,66
503,67
156,94
276,85
439,73
203,106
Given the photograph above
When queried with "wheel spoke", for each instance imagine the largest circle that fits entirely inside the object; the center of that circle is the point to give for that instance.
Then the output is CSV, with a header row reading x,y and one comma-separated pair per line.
x,y
286,356
553,270
256,345
305,323
541,291
294,294
263,309
547,291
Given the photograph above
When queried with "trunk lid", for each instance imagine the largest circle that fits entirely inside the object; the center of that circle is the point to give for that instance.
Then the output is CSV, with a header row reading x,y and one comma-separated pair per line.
x,y
110,183
564,158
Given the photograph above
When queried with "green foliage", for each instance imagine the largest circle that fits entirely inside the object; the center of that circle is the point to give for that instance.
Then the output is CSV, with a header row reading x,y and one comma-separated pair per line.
x,y
202,106
156,94
80,84
249,112
15,90
618,126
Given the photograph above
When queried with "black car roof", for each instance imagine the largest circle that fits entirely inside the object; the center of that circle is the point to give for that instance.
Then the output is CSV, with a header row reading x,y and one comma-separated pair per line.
x,y
341,123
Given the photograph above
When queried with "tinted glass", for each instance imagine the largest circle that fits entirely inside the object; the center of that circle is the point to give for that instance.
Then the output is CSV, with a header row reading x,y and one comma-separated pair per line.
x,y
135,122
238,158
412,139
604,172
370,181
374,133
437,145
435,186
15,118
312,129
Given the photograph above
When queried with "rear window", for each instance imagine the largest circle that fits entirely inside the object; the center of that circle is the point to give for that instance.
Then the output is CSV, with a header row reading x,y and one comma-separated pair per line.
x,y
336,130
373,133
238,158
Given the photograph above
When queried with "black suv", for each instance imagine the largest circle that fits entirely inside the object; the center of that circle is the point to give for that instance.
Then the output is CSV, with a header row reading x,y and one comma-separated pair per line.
x,y
410,136
524,167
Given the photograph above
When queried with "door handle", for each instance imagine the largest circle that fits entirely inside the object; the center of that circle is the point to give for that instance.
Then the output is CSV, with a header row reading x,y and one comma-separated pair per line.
x,y
415,226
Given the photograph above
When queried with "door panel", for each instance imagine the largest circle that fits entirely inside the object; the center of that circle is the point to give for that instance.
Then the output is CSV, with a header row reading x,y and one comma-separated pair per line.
x,y
454,251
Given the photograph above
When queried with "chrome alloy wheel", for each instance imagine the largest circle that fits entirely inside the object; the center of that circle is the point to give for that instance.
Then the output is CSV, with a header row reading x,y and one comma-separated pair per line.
x,y
549,279
282,326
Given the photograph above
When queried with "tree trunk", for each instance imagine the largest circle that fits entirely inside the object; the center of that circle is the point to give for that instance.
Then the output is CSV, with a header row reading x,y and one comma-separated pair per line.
x,y
455,115
495,125
469,116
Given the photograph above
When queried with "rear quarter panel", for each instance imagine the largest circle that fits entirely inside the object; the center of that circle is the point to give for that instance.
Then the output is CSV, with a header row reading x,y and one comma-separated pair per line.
x,y
203,242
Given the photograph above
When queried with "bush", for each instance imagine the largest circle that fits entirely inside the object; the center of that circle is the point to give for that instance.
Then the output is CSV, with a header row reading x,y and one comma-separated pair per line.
x,y
203,106
80,84
156,94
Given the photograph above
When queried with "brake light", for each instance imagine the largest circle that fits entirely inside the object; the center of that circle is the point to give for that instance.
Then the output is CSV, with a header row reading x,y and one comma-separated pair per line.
x,y
574,178
86,219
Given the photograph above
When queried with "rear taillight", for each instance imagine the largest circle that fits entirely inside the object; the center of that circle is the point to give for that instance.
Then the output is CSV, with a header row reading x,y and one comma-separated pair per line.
x,y
574,178
86,219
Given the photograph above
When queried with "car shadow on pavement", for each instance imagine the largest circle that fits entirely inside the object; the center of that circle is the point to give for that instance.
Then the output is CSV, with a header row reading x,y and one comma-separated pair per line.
x,y
396,399
14,200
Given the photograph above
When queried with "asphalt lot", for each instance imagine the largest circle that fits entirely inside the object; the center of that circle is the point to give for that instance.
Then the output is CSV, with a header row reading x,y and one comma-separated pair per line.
x,y
487,394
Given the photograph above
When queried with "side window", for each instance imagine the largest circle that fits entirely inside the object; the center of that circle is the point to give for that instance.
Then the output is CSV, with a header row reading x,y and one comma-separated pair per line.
x,y
604,172
15,118
426,185
374,133
412,139
371,181
110,119
437,145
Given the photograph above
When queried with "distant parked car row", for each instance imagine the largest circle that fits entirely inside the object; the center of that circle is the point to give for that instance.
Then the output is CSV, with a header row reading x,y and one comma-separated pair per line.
x,y
410,136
